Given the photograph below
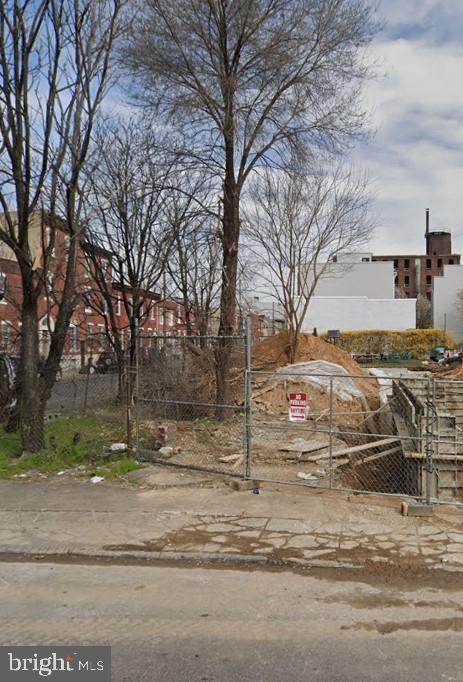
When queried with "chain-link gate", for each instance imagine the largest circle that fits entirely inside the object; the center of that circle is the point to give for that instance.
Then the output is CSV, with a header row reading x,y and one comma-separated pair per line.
x,y
393,434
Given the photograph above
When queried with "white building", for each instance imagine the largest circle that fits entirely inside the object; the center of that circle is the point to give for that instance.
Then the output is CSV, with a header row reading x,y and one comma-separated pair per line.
x,y
446,314
356,293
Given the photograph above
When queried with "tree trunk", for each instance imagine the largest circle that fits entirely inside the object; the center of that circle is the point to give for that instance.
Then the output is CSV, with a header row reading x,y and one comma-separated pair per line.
x,y
31,404
231,233
293,339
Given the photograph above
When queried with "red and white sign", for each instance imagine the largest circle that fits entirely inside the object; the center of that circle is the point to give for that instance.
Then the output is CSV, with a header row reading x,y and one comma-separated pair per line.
x,y
297,407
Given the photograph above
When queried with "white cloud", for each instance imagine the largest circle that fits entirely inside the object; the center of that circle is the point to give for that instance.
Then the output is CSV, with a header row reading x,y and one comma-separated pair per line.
x,y
416,159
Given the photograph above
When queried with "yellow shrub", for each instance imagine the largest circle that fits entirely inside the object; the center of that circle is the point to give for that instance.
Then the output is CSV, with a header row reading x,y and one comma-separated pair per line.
x,y
414,341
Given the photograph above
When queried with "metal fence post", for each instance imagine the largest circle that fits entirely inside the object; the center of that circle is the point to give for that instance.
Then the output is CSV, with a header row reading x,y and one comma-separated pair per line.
x,y
247,470
137,382
428,446
331,432
128,404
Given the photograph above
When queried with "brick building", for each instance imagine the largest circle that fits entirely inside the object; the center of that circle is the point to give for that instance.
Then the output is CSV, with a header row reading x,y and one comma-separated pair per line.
x,y
87,332
414,273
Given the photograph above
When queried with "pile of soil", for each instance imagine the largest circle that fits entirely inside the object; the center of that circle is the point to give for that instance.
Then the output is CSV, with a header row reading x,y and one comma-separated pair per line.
x,y
273,352
271,396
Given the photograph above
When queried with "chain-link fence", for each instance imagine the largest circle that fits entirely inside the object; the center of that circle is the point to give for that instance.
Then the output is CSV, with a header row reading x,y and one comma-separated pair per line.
x,y
385,431
397,435
184,414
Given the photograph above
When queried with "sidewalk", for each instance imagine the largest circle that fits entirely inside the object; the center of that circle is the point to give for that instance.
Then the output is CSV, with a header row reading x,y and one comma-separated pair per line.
x,y
168,515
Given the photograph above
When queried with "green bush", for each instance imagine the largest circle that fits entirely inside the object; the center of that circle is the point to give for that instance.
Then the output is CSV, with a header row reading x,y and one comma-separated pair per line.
x,y
414,341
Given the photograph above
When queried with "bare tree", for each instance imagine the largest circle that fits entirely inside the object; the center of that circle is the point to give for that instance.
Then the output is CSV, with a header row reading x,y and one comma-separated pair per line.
x,y
54,67
423,312
195,264
129,194
298,223
244,81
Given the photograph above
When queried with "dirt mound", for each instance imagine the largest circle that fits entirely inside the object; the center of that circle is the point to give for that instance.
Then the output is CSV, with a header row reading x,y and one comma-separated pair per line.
x,y
273,352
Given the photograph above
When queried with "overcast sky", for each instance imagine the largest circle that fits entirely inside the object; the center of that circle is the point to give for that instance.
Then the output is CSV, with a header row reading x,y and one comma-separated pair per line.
x,y
416,157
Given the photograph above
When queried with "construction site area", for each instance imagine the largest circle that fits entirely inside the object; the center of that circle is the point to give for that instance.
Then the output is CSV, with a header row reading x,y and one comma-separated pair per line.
x,y
322,421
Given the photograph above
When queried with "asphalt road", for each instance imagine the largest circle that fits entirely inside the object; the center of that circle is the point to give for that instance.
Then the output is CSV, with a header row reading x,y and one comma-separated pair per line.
x,y
179,624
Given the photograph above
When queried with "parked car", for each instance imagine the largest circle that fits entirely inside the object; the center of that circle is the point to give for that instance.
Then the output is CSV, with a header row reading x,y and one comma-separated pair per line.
x,y
105,362
437,354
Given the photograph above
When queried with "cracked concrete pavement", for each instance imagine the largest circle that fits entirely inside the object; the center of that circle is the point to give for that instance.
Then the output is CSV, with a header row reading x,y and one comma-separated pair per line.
x,y
174,515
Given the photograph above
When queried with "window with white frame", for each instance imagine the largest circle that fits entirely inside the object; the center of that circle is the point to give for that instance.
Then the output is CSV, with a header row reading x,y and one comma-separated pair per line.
x,y
87,300
73,345
117,307
49,237
170,318
153,311
161,317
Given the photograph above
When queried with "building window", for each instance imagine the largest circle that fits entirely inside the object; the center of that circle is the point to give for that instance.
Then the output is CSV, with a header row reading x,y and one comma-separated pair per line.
x,y
153,312
88,300
89,337
428,263
72,339
439,262
161,317
117,307
428,280
50,237
406,263
428,295
105,269
450,261
5,335
101,337
365,260
2,288
170,318
396,263
406,280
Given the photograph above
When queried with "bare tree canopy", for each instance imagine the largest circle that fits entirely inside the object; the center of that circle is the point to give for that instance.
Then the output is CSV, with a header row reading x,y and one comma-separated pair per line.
x,y
195,269
297,223
423,312
245,81
129,195
54,68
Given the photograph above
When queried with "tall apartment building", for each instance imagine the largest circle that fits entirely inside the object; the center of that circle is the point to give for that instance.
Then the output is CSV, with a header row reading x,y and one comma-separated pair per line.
x,y
414,273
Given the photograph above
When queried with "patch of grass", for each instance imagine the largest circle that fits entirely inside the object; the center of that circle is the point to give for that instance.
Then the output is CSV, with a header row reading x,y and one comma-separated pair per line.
x,y
118,468
70,441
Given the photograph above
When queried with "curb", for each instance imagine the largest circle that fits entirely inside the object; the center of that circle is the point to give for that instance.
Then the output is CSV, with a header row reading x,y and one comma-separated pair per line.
x,y
193,558
249,560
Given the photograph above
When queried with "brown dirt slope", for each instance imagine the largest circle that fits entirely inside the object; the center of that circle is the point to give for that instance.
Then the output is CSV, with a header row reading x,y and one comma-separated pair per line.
x,y
272,353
